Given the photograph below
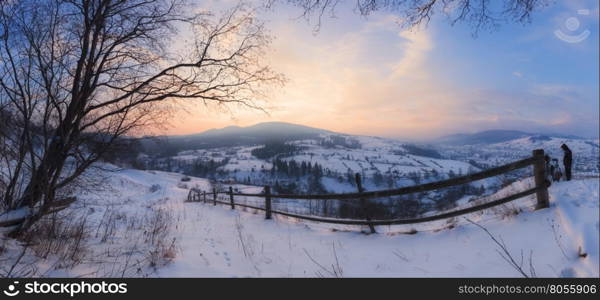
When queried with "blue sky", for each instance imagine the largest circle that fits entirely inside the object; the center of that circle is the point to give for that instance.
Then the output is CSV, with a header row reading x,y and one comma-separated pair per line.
x,y
369,76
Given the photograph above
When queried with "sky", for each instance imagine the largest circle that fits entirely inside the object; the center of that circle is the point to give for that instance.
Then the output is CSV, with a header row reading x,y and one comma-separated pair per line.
x,y
369,76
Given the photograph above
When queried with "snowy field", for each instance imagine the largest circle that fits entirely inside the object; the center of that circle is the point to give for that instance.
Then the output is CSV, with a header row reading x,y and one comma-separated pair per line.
x,y
376,155
202,240
585,151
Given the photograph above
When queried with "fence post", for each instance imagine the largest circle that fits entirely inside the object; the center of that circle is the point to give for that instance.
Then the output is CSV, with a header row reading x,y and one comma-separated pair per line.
x,y
189,194
539,172
204,199
268,202
363,203
215,196
231,197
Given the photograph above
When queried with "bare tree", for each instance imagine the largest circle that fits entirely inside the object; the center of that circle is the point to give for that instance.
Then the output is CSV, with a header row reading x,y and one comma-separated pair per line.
x,y
480,14
77,73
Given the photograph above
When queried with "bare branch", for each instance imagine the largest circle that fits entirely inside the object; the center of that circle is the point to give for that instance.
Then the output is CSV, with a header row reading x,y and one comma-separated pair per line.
x,y
479,14
78,76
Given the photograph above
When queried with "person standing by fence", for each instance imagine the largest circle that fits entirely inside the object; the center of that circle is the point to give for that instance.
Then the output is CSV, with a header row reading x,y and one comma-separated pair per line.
x,y
567,160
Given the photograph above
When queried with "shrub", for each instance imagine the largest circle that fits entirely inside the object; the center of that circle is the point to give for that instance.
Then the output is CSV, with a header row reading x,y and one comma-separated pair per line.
x,y
154,188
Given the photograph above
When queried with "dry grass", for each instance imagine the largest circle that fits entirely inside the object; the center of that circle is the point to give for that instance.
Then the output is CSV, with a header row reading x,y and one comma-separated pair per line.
x,y
117,244
158,227
506,211
64,236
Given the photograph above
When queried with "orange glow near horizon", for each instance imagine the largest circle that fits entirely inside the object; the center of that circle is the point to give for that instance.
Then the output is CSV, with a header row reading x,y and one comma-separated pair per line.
x,y
370,77
330,88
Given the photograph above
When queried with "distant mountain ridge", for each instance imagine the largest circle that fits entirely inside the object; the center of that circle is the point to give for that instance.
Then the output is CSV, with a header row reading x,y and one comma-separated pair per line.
x,y
235,136
261,133
260,130
496,136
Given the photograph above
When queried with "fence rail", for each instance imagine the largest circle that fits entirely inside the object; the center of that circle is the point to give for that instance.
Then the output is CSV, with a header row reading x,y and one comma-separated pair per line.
x,y
540,189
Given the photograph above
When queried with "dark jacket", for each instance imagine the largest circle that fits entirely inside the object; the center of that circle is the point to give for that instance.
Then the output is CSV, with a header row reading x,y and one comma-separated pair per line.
x,y
568,158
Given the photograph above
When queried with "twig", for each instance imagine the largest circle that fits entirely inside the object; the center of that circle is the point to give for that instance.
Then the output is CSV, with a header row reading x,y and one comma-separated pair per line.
x,y
557,239
337,263
504,253
317,263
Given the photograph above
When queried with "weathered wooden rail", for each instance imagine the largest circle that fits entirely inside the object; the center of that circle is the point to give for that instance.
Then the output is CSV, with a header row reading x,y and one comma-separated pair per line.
x,y
536,161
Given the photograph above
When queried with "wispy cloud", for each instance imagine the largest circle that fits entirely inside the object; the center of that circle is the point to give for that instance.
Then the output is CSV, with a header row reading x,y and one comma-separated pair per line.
x,y
370,77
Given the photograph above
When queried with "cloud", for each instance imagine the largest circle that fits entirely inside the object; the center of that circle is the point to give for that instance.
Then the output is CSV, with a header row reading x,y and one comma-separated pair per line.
x,y
370,77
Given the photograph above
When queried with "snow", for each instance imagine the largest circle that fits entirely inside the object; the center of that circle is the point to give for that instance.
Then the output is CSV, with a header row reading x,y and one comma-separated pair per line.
x,y
375,155
215,241
586,152
212,244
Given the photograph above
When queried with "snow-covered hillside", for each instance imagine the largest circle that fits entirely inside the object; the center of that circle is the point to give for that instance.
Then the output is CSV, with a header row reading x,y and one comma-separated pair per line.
x,y
586,152
205,240
383,163
392,159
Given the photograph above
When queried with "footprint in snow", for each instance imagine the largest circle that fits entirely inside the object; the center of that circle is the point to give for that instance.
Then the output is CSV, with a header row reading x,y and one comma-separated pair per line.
x,y
567,273
459,267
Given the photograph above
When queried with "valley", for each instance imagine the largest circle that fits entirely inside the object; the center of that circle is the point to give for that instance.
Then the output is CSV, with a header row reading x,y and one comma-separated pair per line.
x,y
291,154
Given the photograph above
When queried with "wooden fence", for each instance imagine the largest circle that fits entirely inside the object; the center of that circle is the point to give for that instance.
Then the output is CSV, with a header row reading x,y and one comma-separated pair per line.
x,y
536,161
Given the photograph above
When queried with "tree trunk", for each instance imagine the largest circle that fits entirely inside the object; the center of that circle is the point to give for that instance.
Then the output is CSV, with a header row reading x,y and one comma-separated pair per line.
x,y
42,185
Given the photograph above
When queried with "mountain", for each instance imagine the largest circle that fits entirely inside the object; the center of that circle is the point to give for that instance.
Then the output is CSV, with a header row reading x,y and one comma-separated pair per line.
x,y
261,131
231,136
496,136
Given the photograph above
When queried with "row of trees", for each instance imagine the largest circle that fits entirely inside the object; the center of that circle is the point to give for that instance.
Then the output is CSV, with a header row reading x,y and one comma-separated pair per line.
x,y
206,168
292,168
275,149
405,206
335,140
